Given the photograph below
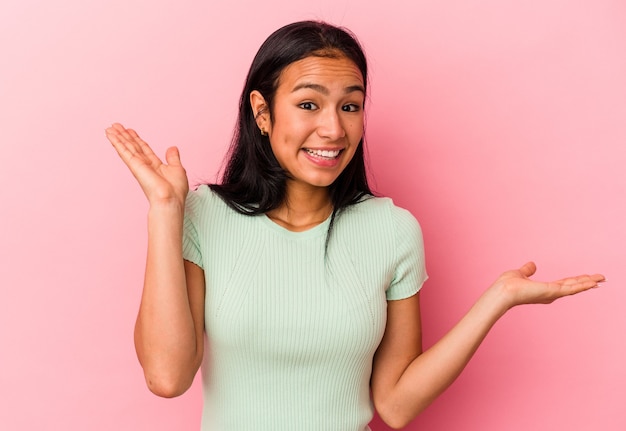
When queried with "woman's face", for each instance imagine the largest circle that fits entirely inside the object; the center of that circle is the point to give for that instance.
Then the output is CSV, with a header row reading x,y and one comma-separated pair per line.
x,y
317,120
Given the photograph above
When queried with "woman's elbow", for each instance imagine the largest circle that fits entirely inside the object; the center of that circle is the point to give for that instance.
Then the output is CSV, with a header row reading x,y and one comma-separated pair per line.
x,y
395,422
167,386
393,415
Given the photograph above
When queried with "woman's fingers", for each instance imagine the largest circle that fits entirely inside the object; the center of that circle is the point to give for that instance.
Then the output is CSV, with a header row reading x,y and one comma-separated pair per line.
x,y
582,282
574,285
528,269
583,279
129,145
144,148
123,137
172,157
125,151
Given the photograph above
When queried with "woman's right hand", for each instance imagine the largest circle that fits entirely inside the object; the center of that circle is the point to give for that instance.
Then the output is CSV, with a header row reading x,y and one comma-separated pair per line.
x,y
160,182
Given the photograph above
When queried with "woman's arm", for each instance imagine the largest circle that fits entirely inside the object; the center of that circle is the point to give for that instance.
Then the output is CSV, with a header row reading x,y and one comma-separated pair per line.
x,y
169,327
169,333
405,381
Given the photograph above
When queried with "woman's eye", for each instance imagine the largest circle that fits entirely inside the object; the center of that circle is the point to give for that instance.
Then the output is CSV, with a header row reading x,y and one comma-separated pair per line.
x,y
309,106
351,107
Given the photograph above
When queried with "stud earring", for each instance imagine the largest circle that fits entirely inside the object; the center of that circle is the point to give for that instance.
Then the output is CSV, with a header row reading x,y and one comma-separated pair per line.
x,y
263,132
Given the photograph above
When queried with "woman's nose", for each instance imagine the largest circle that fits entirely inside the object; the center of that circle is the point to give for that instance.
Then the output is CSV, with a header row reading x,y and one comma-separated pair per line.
x,y
330,126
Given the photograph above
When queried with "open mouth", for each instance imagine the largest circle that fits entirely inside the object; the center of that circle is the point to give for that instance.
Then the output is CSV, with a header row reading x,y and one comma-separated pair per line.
x,y
324,154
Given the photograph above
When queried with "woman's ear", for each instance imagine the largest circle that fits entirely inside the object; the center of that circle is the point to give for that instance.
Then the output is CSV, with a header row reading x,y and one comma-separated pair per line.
x,y
261,112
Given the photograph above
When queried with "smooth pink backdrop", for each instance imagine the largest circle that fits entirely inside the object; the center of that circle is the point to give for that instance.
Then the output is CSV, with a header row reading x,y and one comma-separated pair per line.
x,y
500,124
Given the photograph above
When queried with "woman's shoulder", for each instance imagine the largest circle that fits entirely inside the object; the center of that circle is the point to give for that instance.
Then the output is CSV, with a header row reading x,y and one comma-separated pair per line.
x,y
375,231
202,191
380,216
203,200
376,208
203,194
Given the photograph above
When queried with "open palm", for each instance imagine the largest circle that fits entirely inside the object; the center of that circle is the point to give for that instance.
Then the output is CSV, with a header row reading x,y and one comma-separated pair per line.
x,y
161,182
520,289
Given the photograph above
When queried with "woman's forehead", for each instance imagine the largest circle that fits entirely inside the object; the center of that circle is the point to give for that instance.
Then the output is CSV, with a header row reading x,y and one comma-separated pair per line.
x,y
312,70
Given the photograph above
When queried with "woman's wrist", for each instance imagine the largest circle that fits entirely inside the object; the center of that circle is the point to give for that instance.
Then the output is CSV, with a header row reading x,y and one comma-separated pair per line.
x,y
499,298
167,206
166,215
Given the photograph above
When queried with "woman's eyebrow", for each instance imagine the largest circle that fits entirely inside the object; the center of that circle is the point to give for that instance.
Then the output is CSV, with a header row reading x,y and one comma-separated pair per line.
x,y
321,89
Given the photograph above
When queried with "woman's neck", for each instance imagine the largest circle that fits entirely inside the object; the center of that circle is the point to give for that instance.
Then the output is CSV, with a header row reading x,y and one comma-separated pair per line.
x,y
303,208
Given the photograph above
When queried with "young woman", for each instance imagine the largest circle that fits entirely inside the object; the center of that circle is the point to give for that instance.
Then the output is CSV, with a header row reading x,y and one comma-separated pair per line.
x,y
290,283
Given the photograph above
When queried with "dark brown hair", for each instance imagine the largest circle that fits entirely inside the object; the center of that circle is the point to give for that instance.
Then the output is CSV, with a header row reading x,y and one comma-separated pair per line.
x,y
253,182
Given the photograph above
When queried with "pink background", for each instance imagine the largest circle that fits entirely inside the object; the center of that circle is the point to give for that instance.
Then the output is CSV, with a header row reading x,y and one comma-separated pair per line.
x,y
501,124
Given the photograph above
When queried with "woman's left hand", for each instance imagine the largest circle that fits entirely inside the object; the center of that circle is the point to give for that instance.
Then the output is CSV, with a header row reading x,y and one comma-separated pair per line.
x,y
519,289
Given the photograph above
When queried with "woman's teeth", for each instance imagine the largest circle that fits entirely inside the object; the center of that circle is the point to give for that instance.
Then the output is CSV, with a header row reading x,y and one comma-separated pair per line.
x,y
323,153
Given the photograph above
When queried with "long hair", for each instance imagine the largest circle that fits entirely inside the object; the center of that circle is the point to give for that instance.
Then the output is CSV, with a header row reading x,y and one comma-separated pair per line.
x,y
253,182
